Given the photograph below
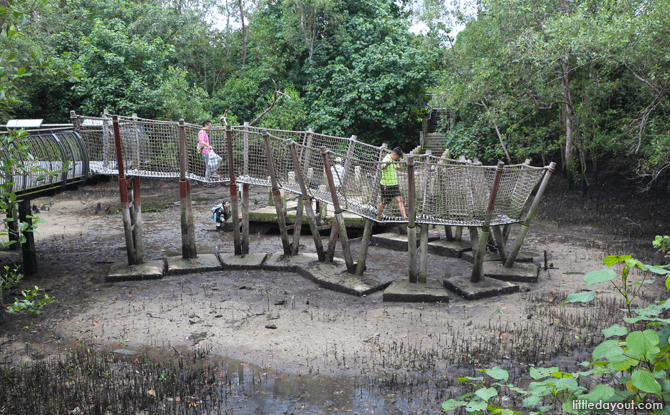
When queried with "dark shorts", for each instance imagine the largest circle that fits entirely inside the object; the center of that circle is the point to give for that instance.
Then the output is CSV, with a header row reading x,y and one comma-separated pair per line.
x,y
389,193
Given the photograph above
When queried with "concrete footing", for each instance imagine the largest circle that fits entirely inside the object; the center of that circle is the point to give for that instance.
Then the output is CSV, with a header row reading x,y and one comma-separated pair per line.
x,y
524,257
245,262
408,292
518,273
149,270
486,287
202,263
451,249
396,242
332,276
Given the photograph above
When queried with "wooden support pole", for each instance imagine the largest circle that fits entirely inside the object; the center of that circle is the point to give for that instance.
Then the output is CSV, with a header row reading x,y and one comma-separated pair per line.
x,y
136,220
245,219
423,254
307,203
365,243
106,150
234,204
499,240
458,236
135,147
449,233
332,242
276,196
246,148
188,250
297,226
478,265
477,254
411,225
28,247
529,216
123,190
339,218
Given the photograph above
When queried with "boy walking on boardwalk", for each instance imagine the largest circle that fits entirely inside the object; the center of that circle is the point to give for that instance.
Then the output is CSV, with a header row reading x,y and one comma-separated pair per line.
x,y
389,183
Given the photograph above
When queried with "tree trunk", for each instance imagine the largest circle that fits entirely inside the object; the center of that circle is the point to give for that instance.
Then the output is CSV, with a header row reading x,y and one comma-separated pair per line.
x,y
4,5
570,123
244,34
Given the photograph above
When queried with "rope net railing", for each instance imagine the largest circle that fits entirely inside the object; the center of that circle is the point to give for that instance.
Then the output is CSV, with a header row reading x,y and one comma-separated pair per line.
x,y
59,152
447,192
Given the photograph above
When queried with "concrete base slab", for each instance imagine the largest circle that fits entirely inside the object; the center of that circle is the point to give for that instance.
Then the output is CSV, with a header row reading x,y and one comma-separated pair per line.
x,y
523,257
244,262
487,287
177,265
408,292
518,273
453,249
293,263
396,242
150,270
334,277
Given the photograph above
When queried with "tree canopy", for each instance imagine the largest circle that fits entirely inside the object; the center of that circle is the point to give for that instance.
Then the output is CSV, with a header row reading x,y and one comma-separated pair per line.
x,y
580,82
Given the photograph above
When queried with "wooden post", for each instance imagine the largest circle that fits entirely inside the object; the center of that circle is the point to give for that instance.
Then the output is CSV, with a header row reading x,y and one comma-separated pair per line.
x,y
28,247
477,255
332,242
411,225
307,203
339,218
478,266
529,216
458,236
136,144
276,196
123,190
245,219
423,254
449,233
105,140
365,243
246,148
187,227
499,240
297,226
136,220
234,205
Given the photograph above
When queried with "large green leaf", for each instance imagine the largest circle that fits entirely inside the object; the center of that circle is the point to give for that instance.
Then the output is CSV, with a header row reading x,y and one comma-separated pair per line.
x,y
641,342
476,406
497,373
452,404
615,330
486,393
608,349
644,381
582,297
599,276
541,372
600,393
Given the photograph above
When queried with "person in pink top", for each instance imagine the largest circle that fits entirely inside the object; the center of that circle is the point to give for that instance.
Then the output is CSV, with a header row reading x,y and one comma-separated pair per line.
x,y
212,160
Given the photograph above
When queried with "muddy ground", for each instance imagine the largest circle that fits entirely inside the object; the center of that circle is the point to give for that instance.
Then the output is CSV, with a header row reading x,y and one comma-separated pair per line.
x,y
327,337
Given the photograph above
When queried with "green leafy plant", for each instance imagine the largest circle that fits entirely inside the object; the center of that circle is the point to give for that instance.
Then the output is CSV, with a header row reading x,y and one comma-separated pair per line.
x,y
662,243
32,302
636,357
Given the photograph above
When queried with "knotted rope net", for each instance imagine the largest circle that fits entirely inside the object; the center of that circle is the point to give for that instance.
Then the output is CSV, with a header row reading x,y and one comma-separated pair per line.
x,y
447,192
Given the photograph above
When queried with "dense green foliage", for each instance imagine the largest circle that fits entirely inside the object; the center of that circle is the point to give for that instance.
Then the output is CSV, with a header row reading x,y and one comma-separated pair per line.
x,y
577,82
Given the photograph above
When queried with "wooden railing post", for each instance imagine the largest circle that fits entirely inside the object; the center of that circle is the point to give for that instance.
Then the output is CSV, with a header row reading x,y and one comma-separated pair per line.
x,y
307,203
234,204
187,227
411,225
276,196
339,219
